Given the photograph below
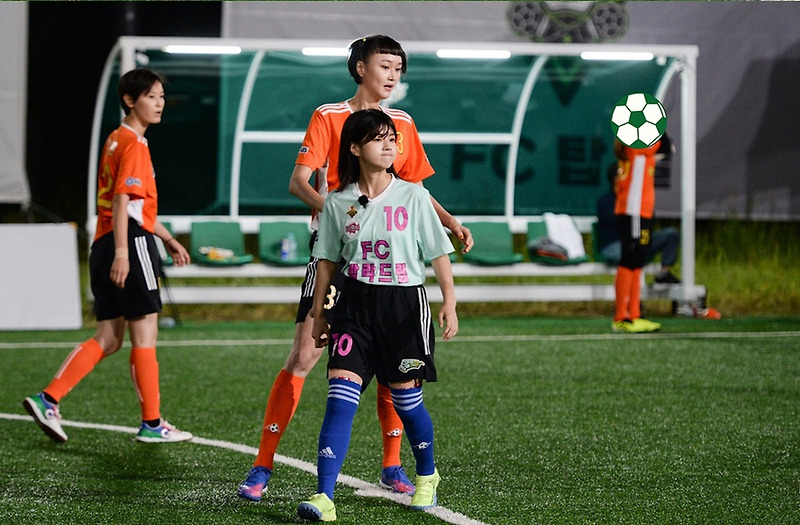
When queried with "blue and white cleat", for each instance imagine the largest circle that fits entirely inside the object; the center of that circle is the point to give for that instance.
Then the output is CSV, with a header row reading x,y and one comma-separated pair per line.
x,y
394,478
255,485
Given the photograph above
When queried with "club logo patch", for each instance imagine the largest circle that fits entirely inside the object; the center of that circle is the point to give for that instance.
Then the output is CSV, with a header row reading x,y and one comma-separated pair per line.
x,y
406,365
351,228
352,211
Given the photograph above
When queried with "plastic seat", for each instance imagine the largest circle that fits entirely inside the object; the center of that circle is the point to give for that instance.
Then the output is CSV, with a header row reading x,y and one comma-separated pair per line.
x,y
494,244
218,243
271,236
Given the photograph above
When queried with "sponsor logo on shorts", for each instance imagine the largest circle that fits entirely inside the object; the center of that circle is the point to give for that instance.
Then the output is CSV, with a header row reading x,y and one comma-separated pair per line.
x,y
133,181
406,365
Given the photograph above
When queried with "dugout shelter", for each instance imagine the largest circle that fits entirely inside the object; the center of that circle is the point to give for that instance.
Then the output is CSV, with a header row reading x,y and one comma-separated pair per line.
x,y
513,130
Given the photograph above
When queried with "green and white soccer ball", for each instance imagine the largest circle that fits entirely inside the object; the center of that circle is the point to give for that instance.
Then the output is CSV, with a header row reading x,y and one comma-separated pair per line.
x,y
639,120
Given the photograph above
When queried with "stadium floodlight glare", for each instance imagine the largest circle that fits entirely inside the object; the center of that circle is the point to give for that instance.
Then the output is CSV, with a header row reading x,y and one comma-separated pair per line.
x,y
496,54
616,55
202,50
324,51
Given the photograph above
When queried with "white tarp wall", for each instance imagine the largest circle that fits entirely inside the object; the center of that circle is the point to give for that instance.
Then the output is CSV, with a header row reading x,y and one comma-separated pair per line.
x,y
13,64
39,277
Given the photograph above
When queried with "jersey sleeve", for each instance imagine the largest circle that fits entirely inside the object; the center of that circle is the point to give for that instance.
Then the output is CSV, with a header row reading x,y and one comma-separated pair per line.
x,y
416,167
329,244
314,151
433,240
135,167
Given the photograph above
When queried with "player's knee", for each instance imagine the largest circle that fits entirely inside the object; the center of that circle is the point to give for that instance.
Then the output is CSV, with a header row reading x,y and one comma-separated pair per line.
x,y
406,385
110,345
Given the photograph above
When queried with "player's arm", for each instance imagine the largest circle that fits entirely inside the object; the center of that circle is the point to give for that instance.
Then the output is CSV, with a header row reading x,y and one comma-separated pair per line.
x,y
176,250
320,330
300,187
451,223
120,268
447,312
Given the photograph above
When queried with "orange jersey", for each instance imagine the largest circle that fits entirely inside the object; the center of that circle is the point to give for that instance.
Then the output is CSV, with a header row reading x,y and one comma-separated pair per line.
x,y
635,182
324,133
126,167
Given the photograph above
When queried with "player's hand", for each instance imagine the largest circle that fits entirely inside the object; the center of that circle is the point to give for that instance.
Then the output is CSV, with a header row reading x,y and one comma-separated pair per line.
x,y
448,319
320,330
464,235
178,253
120,269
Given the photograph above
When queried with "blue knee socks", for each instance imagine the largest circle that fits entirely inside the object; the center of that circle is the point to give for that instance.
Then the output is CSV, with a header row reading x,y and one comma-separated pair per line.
x,y
418,425
334,437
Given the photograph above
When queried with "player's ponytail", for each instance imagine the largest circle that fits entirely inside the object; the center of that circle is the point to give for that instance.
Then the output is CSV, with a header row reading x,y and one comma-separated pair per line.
x,y
363,48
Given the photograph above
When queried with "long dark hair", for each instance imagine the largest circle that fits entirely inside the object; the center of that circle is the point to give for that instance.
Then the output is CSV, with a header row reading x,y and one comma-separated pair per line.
x,y
363,48
360,128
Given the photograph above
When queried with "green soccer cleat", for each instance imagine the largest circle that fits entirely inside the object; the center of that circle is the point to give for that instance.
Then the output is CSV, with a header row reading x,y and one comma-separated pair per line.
x,y
425,495
46,415
627,326
646,326
318,507
163,433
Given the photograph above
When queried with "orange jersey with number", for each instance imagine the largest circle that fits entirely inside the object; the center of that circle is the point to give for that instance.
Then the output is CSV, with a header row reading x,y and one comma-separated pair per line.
x,y
126,167
635,182
323,137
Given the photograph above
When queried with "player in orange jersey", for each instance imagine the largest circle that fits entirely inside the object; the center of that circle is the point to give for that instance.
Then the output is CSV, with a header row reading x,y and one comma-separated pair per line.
x,y
635,191
376,63
124,267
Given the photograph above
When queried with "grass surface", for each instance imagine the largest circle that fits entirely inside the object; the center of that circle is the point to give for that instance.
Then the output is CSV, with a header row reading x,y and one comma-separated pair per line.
x,y
537,421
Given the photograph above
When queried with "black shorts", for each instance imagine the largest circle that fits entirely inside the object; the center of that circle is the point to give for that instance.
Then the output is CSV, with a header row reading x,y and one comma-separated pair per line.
x,y
141,293
383,331
634,232
310,281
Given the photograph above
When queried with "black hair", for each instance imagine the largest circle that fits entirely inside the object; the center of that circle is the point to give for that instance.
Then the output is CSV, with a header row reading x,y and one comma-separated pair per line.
x,y
136,83
363,48
360,128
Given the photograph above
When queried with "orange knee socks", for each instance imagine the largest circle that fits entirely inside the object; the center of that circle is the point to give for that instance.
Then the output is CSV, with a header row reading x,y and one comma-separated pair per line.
x,y
144,372
627,287
391,427
282,402
78,363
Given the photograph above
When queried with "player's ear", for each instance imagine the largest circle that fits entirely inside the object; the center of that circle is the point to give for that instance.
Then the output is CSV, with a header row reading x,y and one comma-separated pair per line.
x,y
360,67
129,101
355,149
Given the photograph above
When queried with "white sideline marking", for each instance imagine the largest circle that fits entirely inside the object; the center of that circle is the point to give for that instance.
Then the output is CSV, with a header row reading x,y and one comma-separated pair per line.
x,y
363,488
458,339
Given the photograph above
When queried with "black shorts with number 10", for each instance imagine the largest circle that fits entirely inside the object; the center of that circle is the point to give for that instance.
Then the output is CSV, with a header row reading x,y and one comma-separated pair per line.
x,y
383,331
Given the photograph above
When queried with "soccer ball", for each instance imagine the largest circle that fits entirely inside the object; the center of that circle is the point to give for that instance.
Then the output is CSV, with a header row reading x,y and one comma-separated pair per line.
x,y
639,120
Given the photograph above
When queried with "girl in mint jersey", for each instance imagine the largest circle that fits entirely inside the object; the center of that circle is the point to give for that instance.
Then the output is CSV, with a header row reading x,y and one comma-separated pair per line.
x,y
384,229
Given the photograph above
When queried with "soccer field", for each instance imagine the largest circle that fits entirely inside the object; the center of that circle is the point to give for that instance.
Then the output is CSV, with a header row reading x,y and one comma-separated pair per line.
x,y
537,421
